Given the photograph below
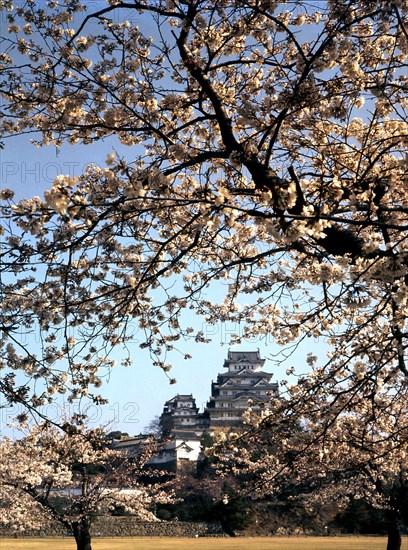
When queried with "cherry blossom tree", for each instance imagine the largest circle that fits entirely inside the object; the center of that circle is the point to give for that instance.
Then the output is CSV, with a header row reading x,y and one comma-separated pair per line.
x,y
260,148
326,451
70,477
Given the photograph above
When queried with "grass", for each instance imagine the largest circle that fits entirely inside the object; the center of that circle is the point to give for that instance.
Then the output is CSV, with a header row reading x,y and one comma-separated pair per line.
x,y
156,543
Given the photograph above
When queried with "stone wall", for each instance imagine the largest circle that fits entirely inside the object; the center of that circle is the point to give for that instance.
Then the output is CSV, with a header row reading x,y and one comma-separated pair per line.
x,y
127,526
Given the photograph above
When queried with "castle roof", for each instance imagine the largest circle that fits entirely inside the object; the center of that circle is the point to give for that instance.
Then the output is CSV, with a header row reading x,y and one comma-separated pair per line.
x,y
181,397
232,376
186,435
244,356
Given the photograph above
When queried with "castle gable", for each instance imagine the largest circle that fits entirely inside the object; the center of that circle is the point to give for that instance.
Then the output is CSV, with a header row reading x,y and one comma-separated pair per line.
x,y
262,384
246,372
229,382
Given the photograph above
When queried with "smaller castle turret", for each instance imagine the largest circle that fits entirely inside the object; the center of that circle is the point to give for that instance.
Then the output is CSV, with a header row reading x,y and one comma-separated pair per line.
x,y
180,414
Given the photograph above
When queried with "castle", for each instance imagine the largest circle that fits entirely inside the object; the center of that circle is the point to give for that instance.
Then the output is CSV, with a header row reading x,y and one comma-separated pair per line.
x,y
183,425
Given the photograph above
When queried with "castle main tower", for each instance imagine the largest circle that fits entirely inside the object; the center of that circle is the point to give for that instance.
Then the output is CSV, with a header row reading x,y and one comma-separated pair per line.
x,y
243,380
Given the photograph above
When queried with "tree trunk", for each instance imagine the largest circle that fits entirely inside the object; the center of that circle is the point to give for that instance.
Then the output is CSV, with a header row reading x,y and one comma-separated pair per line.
x,y
82,534
394,534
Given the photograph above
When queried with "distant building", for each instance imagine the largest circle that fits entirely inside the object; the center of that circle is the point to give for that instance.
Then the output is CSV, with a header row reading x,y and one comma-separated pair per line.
x,y
182,424
131,446
181,414
243,381
178,452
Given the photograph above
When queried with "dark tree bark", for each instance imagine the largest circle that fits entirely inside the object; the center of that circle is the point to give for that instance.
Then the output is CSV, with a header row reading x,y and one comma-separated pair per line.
x,y
82,534
394,533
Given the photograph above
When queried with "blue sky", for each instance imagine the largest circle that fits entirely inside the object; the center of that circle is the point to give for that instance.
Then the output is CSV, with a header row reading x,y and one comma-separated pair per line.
x,y
136,394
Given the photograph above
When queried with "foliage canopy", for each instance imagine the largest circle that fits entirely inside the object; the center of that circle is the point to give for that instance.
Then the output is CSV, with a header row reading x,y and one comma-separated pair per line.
x,y
267,153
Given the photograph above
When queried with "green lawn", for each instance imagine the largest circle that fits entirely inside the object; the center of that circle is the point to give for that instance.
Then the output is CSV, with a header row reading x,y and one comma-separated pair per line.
x,y
155,543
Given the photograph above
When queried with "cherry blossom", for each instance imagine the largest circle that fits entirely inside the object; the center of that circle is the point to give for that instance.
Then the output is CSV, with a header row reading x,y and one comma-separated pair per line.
x,y
70,477
262,151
